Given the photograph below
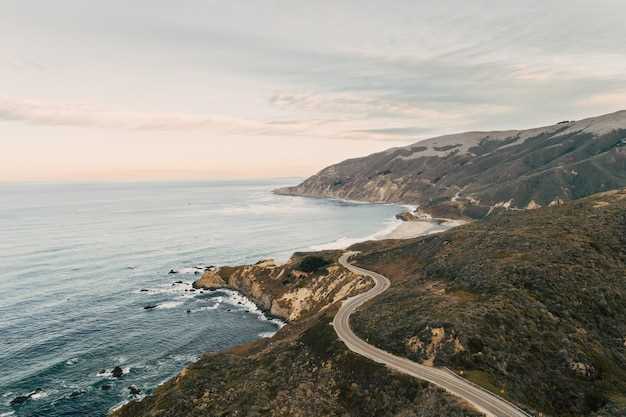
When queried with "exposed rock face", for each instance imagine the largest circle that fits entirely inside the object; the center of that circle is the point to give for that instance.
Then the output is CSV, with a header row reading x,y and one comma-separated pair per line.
x,y
285,290
117,372
210,279
406,216
477,173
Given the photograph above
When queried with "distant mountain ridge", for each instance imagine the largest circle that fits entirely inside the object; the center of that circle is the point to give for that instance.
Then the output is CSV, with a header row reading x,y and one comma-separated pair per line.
x,y
474,173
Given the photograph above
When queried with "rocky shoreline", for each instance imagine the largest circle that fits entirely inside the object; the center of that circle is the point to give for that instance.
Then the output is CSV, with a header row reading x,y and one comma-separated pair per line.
x,y
306,284
303,370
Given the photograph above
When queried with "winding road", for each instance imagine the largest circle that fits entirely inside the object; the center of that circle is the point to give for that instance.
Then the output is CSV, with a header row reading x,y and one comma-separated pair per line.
x,y
482,400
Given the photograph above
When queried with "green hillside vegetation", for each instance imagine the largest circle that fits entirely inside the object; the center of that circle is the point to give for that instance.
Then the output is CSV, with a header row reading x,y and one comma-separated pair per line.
x,y
304,371
531,305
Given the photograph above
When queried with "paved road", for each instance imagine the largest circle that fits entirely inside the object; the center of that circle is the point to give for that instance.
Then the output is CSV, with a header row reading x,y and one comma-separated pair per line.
x,y
482,400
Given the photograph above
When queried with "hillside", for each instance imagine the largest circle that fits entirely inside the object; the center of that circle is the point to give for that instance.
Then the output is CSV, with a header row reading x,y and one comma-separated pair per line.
x,y
303,371
472,174
530,304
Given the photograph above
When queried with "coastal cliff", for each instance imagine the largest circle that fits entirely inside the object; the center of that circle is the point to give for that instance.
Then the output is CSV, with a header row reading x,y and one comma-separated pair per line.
x,y
305,285
528,304
476,174
303,370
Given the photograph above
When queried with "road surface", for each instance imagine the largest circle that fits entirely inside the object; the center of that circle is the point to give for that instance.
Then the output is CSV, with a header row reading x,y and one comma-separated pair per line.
x,y
482,400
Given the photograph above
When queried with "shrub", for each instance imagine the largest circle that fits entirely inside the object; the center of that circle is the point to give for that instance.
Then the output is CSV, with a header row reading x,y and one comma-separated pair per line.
x,y
312,264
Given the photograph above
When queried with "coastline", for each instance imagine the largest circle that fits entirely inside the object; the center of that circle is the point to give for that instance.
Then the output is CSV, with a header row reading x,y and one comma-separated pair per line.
x,y
256,287
305,299
246,285
417,228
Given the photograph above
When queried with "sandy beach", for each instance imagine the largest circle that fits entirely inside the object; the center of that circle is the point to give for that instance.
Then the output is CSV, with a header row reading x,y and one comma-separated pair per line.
x,y
412,229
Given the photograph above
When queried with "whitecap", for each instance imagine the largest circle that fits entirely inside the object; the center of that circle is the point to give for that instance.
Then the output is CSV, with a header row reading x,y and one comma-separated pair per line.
x,y
169,304
38,395
72,361
7,414
174,288
185,358
190,270
240,301
118,406
207,308
109,373
266,335
344,241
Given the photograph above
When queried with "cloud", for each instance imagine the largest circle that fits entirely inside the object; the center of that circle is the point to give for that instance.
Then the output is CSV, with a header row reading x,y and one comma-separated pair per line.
x,y
614,100
406,131
45,113
356,104
38,112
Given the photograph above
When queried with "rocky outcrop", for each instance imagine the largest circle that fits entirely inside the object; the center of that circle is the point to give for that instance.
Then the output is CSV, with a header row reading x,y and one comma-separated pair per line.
x,y
210,280
292,290
476,174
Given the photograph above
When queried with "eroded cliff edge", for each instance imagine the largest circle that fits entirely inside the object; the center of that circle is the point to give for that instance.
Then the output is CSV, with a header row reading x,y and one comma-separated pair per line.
x,y
304,285
303,370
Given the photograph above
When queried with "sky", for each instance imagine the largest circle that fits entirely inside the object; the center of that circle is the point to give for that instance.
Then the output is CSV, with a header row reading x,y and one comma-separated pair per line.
x,y
201,89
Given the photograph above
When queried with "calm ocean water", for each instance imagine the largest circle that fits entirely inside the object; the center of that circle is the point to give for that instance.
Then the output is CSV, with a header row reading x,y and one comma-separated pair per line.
x,y
75,258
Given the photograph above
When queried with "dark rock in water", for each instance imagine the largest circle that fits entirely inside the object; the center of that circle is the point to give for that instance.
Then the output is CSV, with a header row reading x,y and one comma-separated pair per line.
x,y
102,371
19,400
144,290
173,272
192,290
208,268
178,282
229,309
150,307
23,398
134,390
117,372
212,289
106,387
239,302
188,311
76,394
196,272
247,311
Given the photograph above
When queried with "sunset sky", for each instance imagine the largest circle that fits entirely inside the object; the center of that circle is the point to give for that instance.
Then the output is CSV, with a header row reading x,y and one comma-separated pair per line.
x,y
162,89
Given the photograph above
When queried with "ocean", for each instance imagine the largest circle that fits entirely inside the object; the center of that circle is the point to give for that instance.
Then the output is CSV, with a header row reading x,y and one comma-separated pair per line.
x,y
79,262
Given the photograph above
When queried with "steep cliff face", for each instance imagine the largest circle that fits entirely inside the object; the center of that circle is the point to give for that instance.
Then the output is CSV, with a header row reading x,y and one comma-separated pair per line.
x,y
306,284
476,173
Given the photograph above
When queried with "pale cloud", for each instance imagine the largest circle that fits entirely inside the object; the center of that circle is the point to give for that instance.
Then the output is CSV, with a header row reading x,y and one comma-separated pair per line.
x,y
45,113
614,100
40,112
358,105
388,117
